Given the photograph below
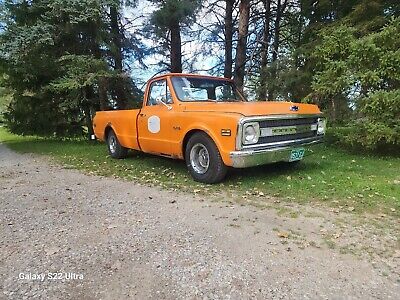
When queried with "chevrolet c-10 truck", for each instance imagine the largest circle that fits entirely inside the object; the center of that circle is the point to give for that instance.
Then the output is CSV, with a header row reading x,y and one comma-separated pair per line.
x,y
207,122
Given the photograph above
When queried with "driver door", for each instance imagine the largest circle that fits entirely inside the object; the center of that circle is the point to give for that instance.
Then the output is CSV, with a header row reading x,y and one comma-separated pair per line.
x,y
154,120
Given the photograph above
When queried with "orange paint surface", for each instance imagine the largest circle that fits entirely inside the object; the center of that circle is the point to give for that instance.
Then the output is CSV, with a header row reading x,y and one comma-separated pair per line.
x,y
163,130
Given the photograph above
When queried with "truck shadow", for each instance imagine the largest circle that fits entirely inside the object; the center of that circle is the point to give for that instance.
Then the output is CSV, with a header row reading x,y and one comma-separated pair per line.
x,y
273,170
83,151
259,173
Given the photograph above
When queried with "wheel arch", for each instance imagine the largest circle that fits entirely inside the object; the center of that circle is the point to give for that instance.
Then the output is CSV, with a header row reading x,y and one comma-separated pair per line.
x,y
217,163
195,130
107,130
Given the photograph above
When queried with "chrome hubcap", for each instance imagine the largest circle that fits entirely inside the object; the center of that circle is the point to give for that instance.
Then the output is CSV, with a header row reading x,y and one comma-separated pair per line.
x,y
112,142
199,158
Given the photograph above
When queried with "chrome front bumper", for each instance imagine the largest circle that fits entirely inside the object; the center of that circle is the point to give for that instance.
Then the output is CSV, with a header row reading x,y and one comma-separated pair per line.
x,y
250,158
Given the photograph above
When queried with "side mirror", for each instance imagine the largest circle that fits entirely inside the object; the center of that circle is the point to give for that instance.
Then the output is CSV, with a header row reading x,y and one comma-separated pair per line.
x,y
159,100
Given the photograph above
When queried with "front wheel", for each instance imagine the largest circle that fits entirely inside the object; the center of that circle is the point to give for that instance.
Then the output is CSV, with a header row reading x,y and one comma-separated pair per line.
x,y
203,159
114,147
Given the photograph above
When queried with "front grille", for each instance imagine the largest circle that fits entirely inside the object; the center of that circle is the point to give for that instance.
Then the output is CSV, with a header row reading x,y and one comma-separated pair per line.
x,y
275,131
287,122
288,137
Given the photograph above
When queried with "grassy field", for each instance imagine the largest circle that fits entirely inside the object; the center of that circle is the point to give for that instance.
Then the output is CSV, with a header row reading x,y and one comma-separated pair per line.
x,y
348,182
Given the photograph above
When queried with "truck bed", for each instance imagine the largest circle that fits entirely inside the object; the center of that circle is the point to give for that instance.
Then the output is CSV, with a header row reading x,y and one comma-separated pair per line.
x,y
123,122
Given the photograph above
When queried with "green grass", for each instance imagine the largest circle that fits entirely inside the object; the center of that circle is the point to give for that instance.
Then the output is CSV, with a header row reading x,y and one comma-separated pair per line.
x,y
352,183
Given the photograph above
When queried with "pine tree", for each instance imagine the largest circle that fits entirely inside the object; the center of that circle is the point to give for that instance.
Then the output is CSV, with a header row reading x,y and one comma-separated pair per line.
x,y
167,23
56,55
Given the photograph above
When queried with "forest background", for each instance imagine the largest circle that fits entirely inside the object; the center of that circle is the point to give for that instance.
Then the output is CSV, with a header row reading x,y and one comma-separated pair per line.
x,y
61,60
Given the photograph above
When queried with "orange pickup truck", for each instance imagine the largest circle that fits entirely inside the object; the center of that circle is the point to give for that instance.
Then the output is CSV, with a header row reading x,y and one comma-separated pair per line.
x,y
207,122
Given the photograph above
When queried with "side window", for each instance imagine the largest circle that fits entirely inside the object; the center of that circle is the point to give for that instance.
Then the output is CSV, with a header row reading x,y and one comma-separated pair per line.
x,y
159,89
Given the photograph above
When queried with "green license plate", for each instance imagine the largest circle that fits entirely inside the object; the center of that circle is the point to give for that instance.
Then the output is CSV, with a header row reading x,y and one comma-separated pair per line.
x,y
296,154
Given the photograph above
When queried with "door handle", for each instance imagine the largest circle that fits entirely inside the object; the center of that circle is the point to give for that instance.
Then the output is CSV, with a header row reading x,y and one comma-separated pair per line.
x,y
142,115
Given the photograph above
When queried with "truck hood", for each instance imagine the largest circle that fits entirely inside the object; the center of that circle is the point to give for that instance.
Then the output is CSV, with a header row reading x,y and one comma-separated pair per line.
x,y
254,108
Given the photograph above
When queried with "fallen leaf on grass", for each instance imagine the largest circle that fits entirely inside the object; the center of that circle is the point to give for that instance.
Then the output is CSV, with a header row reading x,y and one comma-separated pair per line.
x,y
337,235
283,234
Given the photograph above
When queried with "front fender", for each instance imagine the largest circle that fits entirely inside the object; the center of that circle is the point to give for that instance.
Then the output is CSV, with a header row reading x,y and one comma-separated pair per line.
x,y
216,129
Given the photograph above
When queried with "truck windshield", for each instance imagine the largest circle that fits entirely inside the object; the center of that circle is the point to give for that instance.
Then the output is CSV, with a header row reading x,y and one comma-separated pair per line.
x,y
205,89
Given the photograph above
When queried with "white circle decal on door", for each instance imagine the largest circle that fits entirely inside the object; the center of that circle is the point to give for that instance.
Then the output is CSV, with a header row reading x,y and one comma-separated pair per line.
x,y
153,124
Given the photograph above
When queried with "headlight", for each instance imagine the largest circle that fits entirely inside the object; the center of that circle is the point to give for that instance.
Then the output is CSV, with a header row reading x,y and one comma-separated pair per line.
x,y
251,133
321,126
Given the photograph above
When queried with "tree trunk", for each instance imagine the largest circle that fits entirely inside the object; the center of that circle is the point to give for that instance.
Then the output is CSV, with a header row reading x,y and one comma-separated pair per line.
x,y
120,88
88,99
116,39
228,38
103,97
240,63
333,109
280,8
176,48
262,94
96,51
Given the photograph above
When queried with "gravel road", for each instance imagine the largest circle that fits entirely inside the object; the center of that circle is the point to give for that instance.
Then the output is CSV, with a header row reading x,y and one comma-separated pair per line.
x,y
101,238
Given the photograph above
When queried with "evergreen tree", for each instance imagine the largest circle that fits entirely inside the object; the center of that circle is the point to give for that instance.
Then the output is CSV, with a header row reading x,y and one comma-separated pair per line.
x,y
366,72
240,61
167,23
56,55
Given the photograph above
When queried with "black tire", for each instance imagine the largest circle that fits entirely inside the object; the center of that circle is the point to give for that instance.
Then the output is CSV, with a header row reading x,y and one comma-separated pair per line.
x,y
203,159
114,147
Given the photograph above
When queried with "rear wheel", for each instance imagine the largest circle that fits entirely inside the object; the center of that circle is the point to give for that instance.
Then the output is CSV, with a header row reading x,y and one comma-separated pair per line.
x,y
203,159
114,147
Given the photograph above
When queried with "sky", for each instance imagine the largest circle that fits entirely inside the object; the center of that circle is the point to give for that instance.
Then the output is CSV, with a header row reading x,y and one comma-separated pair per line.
x,y
190,49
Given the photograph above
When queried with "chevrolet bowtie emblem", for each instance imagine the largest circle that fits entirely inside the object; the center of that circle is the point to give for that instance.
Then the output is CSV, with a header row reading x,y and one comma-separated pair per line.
x,y
294,108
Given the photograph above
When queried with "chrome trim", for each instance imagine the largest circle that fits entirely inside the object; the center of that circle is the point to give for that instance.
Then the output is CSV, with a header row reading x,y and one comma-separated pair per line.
x,y
199,158
286,130
251,158
256,126
324,126
239,134
284,143
243,120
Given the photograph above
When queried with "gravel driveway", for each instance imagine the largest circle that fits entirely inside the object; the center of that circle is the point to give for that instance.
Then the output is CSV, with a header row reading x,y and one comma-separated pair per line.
x,y
66,235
